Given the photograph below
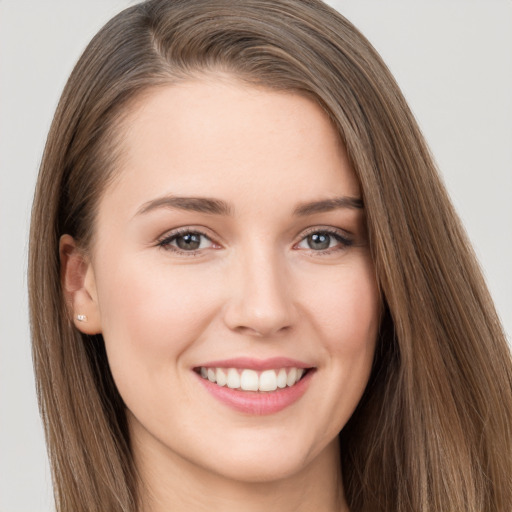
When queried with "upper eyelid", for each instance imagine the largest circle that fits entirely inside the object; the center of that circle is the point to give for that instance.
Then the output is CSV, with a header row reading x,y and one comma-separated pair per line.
x,y
184,230
325,229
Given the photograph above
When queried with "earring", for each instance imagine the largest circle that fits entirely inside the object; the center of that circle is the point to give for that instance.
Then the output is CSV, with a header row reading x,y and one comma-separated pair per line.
x,y
81,318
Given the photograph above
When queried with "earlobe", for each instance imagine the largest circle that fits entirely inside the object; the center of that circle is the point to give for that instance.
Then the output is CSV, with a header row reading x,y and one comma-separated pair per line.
x,y
79,286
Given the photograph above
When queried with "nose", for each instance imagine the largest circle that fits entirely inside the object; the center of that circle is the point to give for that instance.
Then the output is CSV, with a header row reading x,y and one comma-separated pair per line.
x,y
260,296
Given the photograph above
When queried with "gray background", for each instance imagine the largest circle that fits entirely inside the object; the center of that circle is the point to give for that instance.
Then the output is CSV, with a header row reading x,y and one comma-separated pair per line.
x,y
453,60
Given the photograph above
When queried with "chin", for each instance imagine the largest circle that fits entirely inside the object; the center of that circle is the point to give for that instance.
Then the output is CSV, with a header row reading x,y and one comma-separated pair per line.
x,y
271,463
260,469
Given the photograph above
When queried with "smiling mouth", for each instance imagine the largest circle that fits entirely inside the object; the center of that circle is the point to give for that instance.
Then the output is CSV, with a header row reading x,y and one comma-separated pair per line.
x,y
244,379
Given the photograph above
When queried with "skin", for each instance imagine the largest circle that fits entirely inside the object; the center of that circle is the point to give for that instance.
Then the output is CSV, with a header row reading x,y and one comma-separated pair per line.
x,y
254,288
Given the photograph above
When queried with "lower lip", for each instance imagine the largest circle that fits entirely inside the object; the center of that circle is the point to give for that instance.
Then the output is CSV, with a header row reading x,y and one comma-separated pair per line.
x,y
256,402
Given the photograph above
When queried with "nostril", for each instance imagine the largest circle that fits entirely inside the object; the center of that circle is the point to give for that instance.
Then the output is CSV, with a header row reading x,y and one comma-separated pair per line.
x,y
261,331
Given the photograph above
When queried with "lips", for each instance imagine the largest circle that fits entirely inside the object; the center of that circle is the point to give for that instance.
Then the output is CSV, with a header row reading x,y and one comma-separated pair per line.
x,y
256,386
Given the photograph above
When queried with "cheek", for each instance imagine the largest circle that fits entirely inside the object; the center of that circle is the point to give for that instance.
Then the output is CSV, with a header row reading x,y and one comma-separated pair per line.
x,y
151,314
352,342
347,316
348,311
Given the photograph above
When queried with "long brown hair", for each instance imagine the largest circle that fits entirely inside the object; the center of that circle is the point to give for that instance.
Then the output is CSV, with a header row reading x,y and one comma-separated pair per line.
x,y
433,430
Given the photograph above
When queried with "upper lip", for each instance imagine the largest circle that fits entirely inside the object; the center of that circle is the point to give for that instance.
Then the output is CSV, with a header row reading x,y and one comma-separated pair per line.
x,y
256,364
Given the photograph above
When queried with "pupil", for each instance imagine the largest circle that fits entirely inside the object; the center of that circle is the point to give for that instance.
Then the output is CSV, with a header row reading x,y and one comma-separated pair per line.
x,y
189,242
319,241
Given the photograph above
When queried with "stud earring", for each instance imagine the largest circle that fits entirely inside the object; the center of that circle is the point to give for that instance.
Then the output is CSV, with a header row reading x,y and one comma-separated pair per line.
x,y
81,318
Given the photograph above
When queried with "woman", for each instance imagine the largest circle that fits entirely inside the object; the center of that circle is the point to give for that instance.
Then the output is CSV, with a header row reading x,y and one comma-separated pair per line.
x,y
248,286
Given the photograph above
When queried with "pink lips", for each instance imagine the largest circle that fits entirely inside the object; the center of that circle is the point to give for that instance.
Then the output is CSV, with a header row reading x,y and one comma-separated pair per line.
x,y
257,402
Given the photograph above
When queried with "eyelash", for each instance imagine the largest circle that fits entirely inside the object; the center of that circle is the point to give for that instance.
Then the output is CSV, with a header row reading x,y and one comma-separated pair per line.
x,y
344,241
340,236
166,241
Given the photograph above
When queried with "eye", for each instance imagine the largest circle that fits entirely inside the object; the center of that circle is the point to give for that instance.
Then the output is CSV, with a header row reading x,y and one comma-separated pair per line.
x,y
324,240
186,241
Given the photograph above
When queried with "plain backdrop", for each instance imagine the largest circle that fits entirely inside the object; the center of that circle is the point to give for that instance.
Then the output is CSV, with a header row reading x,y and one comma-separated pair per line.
x,y
453,60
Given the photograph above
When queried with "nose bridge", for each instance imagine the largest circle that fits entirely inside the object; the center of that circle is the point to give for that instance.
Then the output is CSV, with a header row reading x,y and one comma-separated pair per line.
x,y
260,300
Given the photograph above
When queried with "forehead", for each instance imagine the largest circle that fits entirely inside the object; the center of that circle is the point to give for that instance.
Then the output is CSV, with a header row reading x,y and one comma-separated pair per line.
x,y
225,139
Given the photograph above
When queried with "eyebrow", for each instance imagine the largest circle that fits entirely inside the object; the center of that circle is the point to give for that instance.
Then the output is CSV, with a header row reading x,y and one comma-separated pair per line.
x,y
327,205
219,207
194,204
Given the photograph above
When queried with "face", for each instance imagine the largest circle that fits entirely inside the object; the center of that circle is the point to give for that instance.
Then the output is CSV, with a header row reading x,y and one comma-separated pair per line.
x,y
231,279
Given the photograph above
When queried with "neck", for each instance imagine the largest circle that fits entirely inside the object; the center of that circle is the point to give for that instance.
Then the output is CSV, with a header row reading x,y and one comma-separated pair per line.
x,y
169,482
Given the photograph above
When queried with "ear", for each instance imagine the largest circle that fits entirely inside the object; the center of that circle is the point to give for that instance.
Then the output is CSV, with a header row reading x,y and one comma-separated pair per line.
x,y
79,286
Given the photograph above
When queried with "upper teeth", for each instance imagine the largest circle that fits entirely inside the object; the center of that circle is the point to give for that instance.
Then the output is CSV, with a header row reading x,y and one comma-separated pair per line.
x,y
251,380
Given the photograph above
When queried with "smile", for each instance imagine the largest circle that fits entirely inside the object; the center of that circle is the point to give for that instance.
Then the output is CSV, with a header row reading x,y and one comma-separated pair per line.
x,y
252,380
256,387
